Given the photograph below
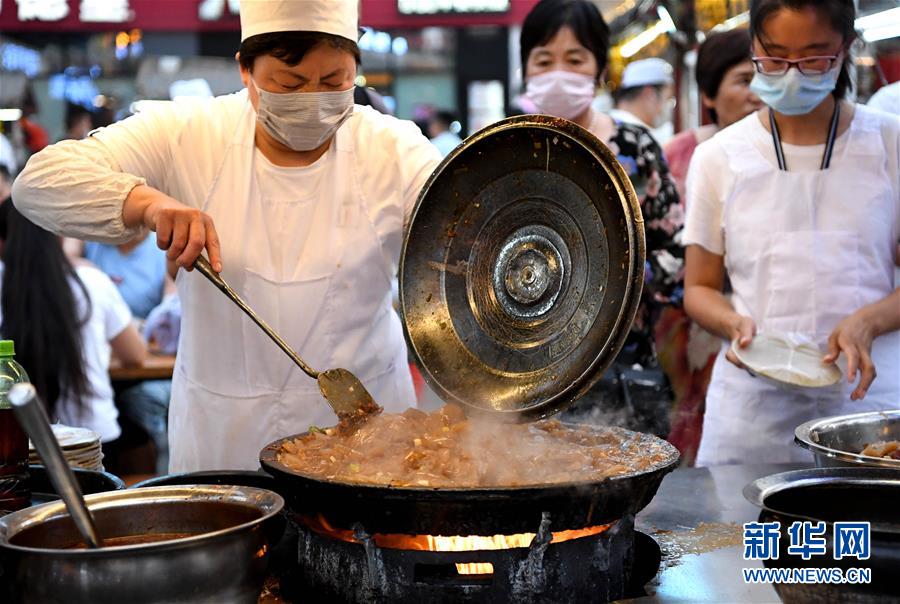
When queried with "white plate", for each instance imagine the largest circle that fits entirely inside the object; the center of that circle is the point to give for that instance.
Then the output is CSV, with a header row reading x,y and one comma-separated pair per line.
x,y
782,360
70,437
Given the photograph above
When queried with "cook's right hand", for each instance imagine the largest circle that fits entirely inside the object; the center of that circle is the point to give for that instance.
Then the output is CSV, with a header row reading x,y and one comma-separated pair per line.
x,y
742,329
183,232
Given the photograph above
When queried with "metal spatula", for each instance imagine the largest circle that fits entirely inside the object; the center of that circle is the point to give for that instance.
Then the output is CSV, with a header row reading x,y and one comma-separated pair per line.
x,y
343,390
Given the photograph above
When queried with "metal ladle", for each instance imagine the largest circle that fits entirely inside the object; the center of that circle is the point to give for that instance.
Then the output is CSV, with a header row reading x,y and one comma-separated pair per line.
x,y
31,415
343,390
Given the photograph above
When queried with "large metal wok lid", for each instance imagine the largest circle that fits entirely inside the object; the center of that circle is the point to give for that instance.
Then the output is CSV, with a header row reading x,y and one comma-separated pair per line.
x,y
522,268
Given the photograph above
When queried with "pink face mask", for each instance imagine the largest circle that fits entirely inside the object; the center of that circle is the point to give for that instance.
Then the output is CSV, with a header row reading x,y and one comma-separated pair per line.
x,y
561,93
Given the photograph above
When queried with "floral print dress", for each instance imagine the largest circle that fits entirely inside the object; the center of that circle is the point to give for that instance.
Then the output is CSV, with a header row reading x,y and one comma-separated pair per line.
x,y
646,167
644,162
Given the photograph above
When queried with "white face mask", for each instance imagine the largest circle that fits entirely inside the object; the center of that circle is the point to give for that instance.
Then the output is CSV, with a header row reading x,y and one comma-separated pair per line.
x,y
561,93
303,121
666,115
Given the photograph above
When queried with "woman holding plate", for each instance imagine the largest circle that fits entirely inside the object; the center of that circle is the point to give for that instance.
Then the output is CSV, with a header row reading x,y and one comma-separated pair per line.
x,y
800,202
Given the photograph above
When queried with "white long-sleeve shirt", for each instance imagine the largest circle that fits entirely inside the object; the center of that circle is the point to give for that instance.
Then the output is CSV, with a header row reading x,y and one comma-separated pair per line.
x,y
78,188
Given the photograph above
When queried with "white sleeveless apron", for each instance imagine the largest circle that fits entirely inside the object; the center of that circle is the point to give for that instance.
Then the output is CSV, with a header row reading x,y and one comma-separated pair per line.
x,y
803,251
233,390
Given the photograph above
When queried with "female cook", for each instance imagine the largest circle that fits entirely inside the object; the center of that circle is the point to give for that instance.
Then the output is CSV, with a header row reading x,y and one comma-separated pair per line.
x,y
299,198
800,201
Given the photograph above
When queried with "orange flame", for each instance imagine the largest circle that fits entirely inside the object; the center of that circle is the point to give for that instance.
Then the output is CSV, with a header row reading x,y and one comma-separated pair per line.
x,y
439,543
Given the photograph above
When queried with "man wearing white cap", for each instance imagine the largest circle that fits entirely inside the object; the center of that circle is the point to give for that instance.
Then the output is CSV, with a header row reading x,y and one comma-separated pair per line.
x,y
300,200
645,97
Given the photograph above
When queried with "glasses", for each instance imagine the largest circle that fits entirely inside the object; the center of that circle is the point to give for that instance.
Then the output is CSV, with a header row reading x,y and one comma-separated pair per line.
x,y
806,65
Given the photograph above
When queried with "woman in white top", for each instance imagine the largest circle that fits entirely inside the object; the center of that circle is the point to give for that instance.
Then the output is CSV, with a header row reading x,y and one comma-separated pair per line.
x,y
800,202
301,201
65,322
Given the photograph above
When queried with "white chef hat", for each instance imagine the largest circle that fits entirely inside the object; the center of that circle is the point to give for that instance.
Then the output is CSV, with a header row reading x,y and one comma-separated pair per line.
x,y
196,87
647,72
337,17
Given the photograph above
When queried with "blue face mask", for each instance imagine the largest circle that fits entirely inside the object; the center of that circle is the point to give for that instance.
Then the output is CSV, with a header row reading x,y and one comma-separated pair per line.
x,y
794,93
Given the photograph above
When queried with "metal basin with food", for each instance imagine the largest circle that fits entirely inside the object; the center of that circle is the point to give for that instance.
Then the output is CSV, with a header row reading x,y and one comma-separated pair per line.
x,y
162,544
838,441
835,495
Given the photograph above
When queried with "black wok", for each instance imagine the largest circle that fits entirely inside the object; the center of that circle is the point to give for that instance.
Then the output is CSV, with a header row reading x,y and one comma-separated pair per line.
x,y
471,511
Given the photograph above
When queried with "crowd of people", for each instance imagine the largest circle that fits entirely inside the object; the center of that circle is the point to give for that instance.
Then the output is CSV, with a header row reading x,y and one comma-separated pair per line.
x,y
73,305
781,213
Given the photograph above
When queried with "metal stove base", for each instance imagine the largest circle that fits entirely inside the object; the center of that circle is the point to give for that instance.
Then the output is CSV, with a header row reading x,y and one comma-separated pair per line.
x,y
614,564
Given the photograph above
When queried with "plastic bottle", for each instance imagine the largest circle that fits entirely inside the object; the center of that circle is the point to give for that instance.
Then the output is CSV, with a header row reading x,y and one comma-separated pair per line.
x,y
14,491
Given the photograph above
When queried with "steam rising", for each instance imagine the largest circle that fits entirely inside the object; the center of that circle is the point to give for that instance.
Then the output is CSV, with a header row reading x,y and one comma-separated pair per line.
x,y
444,449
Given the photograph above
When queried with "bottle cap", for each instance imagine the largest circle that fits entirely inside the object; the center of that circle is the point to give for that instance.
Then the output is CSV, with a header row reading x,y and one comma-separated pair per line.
x,y
7,348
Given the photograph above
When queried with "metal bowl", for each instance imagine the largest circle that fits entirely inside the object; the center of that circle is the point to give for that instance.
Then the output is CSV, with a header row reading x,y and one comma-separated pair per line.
x,y
90,481
833,495
837,441
244,478
223,560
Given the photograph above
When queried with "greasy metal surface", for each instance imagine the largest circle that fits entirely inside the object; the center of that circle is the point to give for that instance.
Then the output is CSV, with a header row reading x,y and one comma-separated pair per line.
x,y
837,441
343,390
473,511
225,562
522,268
689,500
694,569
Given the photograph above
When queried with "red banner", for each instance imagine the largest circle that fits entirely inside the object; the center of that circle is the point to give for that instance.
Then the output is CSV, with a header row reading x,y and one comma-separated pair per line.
x,y
113,15
18,16
385,14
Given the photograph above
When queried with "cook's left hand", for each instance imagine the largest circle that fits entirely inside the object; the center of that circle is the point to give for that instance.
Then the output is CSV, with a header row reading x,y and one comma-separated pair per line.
x,y
853,337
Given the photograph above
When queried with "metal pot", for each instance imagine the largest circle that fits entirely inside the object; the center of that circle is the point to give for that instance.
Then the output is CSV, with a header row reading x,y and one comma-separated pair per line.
x,y
835,495
224,559
837,441
283,551
244,478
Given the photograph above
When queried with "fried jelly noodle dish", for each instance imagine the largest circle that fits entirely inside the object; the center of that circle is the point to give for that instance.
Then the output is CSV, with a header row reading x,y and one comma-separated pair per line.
x,y
445,449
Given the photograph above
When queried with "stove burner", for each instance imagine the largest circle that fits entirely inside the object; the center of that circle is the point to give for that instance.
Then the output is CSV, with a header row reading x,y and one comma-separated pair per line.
x,y
609,565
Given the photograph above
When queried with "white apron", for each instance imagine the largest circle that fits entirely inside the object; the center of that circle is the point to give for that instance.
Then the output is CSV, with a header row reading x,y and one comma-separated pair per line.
x,y
803,251
233,390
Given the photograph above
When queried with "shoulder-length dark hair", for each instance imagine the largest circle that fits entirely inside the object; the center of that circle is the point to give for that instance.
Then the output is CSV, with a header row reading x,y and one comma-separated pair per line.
x,y
40,311
841,14
549,16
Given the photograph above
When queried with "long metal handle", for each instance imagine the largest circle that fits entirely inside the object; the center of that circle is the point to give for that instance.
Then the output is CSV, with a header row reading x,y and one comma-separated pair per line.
x,y
30,413
206,269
